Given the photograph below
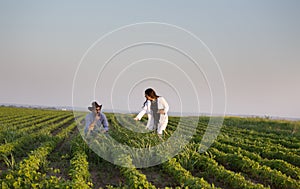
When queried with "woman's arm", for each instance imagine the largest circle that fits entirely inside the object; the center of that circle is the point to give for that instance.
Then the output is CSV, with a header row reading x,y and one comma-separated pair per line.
x,y
142,112
165,105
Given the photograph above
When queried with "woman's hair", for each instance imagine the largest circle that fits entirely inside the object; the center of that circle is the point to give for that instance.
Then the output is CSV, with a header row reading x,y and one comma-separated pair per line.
x,y
150,92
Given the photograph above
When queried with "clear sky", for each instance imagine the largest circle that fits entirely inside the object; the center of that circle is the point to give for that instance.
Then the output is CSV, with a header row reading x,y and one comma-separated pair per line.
x,y
256,44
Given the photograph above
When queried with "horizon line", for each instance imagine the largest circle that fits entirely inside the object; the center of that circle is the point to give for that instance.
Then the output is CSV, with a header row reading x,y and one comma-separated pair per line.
x,y
71,108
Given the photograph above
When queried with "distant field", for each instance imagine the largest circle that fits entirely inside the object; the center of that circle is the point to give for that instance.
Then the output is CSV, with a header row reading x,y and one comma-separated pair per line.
x,y
43,149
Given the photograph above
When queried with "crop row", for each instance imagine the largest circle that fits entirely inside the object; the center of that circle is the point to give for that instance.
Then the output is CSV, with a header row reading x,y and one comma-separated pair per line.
x,y
27,174
15,116
79,172
40,135
253,169
265,151
172,167
12,134
263,148
209,168
289,142
280,165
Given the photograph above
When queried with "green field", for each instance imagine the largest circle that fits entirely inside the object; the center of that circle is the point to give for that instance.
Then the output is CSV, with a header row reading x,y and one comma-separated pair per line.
x,y
43,149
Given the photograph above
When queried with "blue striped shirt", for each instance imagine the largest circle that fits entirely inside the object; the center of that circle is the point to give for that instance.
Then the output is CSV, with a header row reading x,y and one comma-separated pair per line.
x,y
89,119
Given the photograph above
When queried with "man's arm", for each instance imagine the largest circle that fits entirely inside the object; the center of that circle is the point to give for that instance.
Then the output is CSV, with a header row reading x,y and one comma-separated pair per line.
x,y
104,121
90,122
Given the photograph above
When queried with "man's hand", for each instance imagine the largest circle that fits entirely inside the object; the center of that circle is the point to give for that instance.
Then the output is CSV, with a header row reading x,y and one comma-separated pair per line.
x,y
136,119
91,127
161,111
104,131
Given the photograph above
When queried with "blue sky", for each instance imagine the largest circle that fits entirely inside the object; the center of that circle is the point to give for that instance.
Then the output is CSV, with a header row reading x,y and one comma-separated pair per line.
x,y
256,44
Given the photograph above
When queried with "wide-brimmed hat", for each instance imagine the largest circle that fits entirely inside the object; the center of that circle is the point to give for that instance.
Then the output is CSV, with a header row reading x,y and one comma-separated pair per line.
x,y
94,106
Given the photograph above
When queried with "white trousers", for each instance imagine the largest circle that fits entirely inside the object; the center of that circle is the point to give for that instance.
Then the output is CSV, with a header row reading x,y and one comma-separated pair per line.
x,y
162,124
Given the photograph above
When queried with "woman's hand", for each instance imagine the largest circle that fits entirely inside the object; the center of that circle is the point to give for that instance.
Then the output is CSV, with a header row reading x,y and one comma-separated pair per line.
x,y
161,111
136,119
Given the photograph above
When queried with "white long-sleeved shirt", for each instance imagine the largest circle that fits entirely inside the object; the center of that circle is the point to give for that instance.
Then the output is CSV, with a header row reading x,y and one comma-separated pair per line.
x,y
161,104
